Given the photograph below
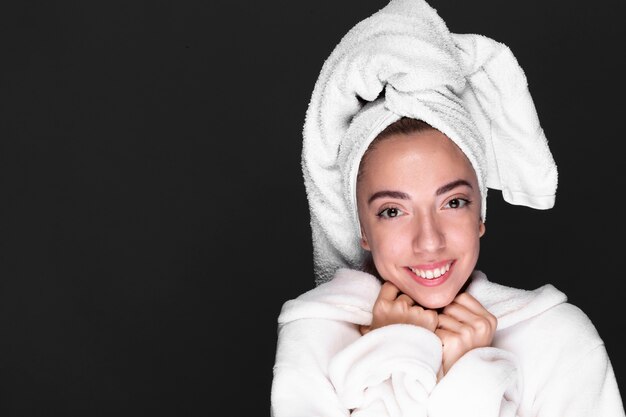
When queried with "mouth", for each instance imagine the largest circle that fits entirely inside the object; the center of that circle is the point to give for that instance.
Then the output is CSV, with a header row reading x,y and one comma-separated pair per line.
x,y
432,275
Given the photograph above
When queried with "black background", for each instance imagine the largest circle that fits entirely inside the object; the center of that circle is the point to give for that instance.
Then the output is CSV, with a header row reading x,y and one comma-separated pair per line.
x,y
153,215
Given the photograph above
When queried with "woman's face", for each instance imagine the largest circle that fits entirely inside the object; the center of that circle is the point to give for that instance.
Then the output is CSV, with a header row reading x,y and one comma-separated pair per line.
x,y
419,208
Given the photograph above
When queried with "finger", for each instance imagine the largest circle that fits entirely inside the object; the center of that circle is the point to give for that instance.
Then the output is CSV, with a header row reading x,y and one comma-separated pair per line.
x,y
388,291
459,312
449,323
428,319
468,310
444,335
405,299
470,303
469,324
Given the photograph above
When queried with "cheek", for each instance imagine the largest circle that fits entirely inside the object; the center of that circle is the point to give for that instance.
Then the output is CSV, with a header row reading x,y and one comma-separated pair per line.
x,y
391,245
465,237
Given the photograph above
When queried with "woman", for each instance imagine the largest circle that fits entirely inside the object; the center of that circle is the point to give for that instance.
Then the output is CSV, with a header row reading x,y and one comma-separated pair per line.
x,y
407,128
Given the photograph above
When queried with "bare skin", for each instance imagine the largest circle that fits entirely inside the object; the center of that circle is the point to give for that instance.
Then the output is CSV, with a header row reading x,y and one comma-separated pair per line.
x,y
463,325
420,227
393,307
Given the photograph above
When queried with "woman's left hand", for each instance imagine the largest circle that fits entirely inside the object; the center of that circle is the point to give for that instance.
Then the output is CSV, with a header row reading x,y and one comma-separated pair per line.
x,y
464,325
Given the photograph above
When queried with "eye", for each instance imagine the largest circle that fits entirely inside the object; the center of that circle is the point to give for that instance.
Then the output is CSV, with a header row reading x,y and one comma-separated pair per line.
x,y
390,212
457,203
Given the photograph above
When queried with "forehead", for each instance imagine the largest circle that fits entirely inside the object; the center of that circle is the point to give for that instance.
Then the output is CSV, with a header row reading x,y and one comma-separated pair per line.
x,y
419,152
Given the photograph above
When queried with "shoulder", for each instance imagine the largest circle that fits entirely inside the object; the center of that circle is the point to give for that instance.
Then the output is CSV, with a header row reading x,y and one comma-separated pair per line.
x,y
535,319
348,296
562,333
571,324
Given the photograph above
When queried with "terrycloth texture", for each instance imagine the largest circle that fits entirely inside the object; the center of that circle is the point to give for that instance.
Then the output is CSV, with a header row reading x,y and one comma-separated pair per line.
x,y
403,61
546,360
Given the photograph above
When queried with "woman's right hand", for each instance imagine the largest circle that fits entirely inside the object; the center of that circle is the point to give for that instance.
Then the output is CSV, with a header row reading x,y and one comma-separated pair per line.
x,y
394,307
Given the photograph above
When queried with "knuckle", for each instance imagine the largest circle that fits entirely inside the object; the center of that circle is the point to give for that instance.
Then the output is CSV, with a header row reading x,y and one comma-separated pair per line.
x,y
432,317
380,309
466,333
418,309
482,325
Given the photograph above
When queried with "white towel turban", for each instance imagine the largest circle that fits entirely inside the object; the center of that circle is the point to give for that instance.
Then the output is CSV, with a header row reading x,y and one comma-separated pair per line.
x,y
403,61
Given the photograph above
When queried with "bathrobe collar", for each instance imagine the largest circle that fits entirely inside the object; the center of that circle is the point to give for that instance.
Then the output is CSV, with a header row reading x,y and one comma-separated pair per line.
x,y
350,295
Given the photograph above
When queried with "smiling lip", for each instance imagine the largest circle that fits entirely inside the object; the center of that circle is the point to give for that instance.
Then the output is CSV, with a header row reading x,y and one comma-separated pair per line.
x,y
431,282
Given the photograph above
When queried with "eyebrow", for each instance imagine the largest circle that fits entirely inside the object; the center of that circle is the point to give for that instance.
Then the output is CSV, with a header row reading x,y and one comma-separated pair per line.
x,y
404,196
390,194
452,185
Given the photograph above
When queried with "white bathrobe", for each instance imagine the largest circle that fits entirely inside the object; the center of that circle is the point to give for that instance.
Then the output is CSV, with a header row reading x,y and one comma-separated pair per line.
x,y
546,359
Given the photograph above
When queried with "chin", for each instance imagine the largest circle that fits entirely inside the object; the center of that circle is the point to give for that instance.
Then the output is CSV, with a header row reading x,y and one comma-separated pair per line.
x,y
434,303
434,306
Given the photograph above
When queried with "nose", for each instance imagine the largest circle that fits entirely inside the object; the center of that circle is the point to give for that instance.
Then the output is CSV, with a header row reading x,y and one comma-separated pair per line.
x,y
428,236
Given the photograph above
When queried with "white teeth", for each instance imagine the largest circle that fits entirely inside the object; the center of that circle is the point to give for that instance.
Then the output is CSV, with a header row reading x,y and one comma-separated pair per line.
x,y
432,273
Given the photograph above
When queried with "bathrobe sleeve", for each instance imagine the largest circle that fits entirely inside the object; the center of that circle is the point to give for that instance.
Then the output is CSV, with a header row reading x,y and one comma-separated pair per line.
x,y
485,382
326,368
300,386
389,371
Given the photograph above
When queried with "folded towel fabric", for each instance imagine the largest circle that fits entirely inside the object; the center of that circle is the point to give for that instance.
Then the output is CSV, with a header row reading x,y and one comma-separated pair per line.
x,y
404,62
